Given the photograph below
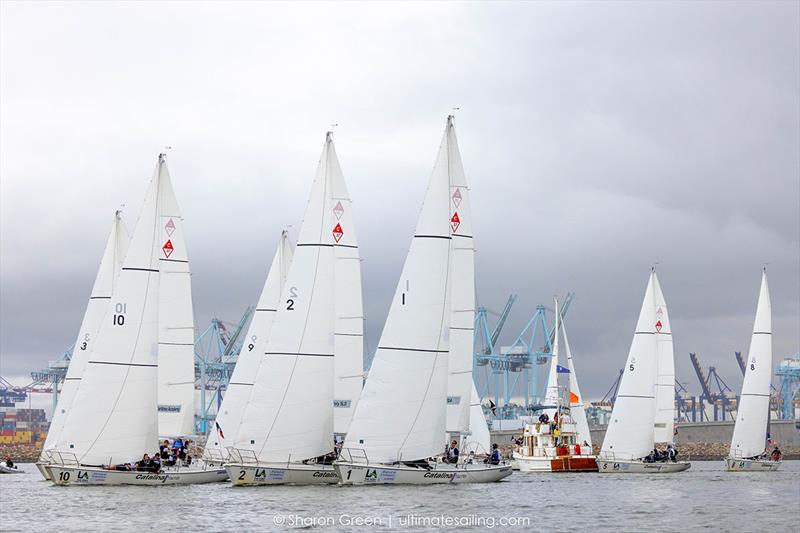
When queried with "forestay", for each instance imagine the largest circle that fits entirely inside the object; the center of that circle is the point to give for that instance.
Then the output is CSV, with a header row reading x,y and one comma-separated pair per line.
x,y
113,256
176,335
402,410
749,433
289,415
630,430
664,425
231,411
113,418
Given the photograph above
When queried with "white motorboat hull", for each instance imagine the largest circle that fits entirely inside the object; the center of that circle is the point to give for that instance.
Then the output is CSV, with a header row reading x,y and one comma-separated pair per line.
x,y
533,464
281,474
352,473
80,475
751,465
10,470
42,467
607,466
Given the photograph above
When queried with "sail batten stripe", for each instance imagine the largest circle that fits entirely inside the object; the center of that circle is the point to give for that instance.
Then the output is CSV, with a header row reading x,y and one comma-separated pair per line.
x,y
177,343
762,333
304,354
755,394
173,260
99,297
432,237
411,349
121,364
644,333
141,269
273,310
320,244
633,396
241,383
350,334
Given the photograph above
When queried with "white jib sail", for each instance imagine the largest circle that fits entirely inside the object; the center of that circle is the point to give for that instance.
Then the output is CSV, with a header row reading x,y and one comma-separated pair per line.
x,y
176,336
551,395
114,416
348,303
401,414
462,295
477,424
664,425
630,431
289,415
576,408
750,431
113,256
231,411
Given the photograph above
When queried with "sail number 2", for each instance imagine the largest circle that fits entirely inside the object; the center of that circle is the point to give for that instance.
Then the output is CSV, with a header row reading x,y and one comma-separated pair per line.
x,y
119,314
292,296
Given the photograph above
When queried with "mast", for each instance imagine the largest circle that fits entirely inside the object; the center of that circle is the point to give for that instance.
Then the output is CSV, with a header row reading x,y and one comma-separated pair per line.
x,y
577,410
552,395
402,410
749,433
110,264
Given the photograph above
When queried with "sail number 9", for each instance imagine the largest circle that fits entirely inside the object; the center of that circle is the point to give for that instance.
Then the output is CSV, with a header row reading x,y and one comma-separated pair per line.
x,y
119,314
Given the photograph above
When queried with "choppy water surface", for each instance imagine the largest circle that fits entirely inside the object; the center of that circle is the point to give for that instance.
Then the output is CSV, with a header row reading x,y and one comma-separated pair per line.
x,y
705,497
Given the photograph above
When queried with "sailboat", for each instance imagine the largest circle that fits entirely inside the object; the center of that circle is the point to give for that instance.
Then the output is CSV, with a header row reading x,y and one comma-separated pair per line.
x,y
748,445
113,419
632,431
229,417
401,418
562,442
110,264
287,431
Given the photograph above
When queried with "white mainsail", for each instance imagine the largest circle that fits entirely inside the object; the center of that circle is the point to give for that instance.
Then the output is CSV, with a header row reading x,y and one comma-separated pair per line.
x,y
401,414
462,295
630,430
289,415
176,335
576,408
750,431
113,256
551,394
114,415
231,411
348,303
664,425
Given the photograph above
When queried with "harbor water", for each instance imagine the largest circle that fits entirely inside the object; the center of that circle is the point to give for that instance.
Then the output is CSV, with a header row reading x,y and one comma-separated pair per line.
x,y
703,498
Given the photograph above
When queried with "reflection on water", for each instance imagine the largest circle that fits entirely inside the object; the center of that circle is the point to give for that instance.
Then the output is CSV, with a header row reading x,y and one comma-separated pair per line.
x,y
701,498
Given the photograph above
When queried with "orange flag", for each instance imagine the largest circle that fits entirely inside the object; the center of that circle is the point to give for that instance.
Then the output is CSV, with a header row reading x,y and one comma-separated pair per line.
x,y
573,398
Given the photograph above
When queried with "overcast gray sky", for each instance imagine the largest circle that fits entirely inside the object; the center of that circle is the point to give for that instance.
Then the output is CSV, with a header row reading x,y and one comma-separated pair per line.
x,y
597,138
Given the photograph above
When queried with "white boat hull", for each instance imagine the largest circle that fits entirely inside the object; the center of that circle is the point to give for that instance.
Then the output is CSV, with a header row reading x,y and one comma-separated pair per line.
x,y
283,474
10,470
751,465
42,467
607,466
79,475
533,464
364,474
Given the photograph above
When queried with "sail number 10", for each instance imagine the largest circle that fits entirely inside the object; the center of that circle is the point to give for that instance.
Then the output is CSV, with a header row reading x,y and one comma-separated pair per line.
x,y
119,314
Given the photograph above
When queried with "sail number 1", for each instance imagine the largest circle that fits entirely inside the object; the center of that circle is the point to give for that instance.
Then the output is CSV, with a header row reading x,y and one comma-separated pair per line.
x,y
119,314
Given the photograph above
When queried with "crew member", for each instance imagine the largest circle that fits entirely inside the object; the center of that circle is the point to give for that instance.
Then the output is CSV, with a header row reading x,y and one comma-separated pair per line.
x,y
494,458
452,453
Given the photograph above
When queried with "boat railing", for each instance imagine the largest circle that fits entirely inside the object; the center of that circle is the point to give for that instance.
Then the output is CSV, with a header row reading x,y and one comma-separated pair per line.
x,y
64,458
238,455
214,456
354,455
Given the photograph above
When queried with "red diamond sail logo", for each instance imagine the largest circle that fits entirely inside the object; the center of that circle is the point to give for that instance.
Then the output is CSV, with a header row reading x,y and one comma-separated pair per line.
x,y
168,248
659,326
338,210
457,197
338,232
170,227
455,222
